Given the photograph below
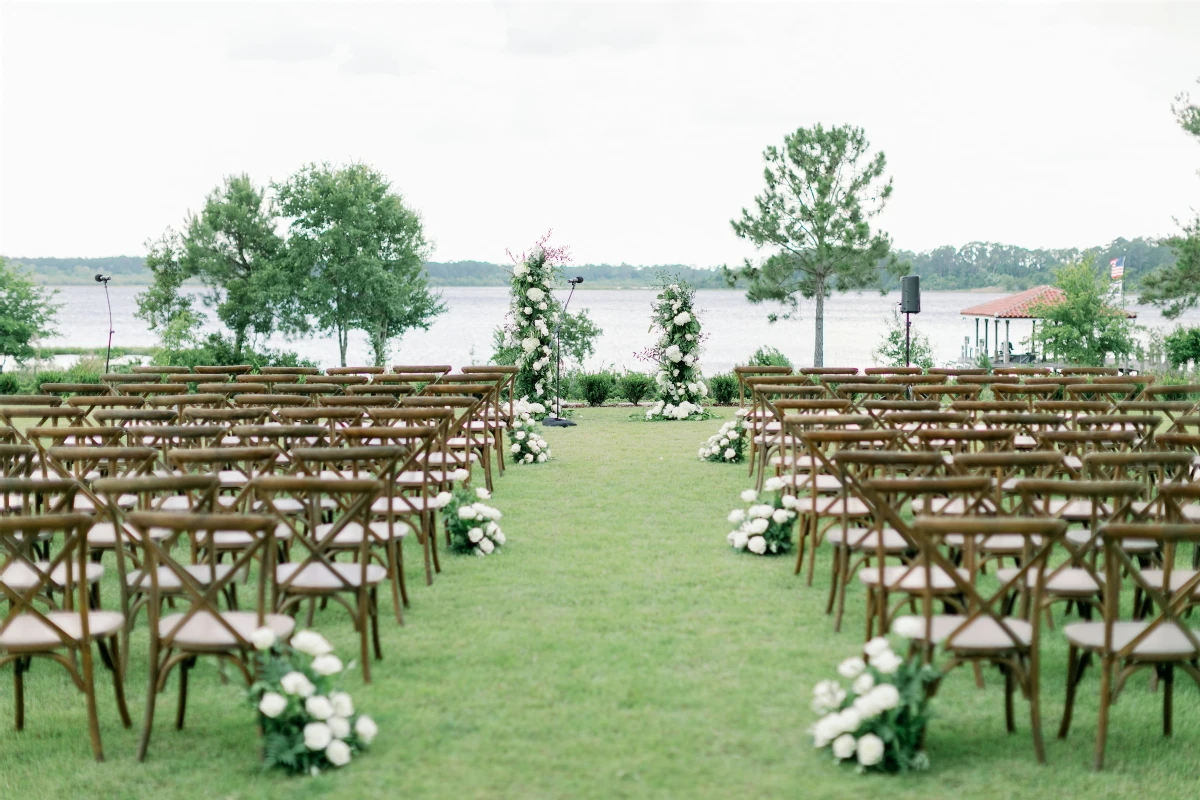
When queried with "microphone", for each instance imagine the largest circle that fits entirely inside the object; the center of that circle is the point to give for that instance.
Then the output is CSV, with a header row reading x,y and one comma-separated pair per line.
x,y
578,279
103,278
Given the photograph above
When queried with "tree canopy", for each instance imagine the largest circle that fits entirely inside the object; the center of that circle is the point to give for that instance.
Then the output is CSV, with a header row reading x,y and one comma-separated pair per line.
x,y
361,251
27,313
1083,328
822,191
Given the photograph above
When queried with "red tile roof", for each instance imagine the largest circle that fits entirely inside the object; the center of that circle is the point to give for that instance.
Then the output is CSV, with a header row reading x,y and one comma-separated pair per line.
x,y
1016,306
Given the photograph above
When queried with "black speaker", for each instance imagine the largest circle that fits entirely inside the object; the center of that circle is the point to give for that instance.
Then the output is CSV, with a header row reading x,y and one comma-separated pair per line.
x,y
910,294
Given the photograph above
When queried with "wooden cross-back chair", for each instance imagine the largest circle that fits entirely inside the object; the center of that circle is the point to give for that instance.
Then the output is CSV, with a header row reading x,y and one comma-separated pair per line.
x,y
507,389
889,371
953,441
1021,372
61,633
283,438
340,380
1111,393
771,399
977,408
1026,425
168,437
203,628
11,417
781,462
984,631
745,373
1074,411
1160,637
1025,392
92,404
1153,469
364,370
316,574
1075,444
234,467
946,393
1072,372
272,403
360,399
492,419
232,369
464,447
331,418
68,390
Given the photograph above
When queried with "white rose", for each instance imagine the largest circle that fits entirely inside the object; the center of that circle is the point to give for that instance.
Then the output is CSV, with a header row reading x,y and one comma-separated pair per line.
x,y
870,750
850,719
319,708
343,706
730,454
674,354
737,516
486,546
885,697
467,512
761,511
683,318
528,458
843,746
876,646
296,683
781,515
887,663
749,496
758,526
908,627
757,545
516,448
789,501
738,539
482,493
498,537
338,753
535,294
263,638
272,704
339,727
328,664
311,643
317,736
519,436
542,458
851,668
773,484
365,729
733,435
864,683
826,730
530,344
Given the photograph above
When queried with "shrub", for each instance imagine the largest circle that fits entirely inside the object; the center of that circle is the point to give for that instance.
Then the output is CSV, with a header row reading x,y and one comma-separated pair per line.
x,y
595,387
634,386
217,350
766,356
9,383
1173,380
1182,346
723,388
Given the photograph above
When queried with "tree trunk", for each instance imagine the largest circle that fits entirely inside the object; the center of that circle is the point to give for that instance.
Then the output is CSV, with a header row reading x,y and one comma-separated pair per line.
x,y
239,341
379,344
819,339
343,335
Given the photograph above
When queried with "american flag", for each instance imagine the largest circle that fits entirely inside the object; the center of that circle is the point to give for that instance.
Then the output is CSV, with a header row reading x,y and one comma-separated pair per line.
x,y
1118,268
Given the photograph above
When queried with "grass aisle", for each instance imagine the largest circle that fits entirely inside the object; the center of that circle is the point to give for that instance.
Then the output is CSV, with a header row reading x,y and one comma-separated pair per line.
x,y
615,648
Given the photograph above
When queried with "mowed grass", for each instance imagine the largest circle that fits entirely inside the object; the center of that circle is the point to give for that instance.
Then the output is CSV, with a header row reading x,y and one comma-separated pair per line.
x,y
616,648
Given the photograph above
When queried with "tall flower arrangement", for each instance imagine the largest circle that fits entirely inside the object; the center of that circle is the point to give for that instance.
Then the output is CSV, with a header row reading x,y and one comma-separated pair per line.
x,y
681,390
532,315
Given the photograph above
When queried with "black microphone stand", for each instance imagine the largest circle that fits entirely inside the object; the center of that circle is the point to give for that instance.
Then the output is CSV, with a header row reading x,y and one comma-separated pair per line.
x,y
557,421
107,353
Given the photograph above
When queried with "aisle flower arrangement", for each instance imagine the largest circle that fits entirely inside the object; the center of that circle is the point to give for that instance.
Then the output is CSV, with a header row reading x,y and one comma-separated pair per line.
x,y
307,724
473,526
764,527
879,722
525,444
681,390
727,445
532,315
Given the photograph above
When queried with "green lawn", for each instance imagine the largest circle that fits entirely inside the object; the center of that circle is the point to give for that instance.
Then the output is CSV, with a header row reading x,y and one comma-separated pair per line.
x,y
616,648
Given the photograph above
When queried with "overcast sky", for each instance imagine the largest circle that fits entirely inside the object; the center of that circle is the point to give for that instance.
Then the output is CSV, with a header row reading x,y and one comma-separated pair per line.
x,y
634,130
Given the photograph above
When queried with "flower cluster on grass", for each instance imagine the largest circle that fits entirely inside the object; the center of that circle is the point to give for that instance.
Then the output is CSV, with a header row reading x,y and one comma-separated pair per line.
x,y
681,390
764,528
527,446
307,723
880,721
728,445
532,314
473,526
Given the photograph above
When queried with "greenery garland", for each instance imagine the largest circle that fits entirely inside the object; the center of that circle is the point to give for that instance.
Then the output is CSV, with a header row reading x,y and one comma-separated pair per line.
x,y
533,313
681,390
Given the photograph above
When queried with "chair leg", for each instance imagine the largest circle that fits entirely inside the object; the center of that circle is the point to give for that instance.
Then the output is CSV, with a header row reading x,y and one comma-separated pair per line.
x,y
802,535
19,691
1074,673
181,707
1009,686
118,676
151,697
89,690
426,546
373,611
835,575
1168,696
364,656
1106,676
1035,707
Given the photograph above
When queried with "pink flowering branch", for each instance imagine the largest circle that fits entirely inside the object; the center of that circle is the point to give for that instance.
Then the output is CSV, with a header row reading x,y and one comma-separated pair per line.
x,y
555,256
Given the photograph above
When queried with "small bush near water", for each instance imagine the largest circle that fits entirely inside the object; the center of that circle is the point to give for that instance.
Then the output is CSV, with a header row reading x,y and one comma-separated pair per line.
x,y
635,386
723,388
595,387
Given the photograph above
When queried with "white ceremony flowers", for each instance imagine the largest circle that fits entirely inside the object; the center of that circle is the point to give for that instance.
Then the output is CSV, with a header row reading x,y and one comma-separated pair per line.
x,y
763,528
317,730
530,320
681,391
881,721
535,294
263,638
674,353
727,445
682,318
527,445
471,524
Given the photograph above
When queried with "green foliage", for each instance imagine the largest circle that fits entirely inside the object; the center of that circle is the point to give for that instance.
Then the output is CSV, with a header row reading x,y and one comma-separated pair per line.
x,y
164,306
634,386
816,211
219,350
470,524
1187,114
9,383
1176,288
723,388
1169,379
890,351
27,313
579,334
767,356
984,361
595,387
1084,328
678,348
362,251
1182,346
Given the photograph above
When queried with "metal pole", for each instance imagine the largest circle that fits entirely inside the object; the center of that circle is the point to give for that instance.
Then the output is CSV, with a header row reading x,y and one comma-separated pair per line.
x,y
907,339
558,420
108,352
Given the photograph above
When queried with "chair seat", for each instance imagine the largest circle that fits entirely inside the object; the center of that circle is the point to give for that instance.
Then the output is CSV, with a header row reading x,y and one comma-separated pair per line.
x,y
232,478
1166,641
417,478
168,579
352,533
951,506
800,462
317,577
84,503
826,484
457,459
204,632
866,540
983,634
910,579
1077,510
1082,537
290,505
404,505
1024,442
21,577
1069,581
238,540
833,506
1179,577
103,536
28,634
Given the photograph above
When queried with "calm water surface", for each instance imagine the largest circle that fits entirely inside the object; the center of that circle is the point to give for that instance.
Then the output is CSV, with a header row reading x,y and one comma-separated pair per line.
x,y
854,325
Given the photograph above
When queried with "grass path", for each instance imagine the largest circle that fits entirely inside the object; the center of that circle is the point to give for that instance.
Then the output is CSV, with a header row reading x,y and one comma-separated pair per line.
x,y
616,648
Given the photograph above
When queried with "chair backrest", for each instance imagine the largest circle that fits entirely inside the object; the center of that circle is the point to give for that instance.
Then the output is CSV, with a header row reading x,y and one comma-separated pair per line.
x,y
29,580
745,372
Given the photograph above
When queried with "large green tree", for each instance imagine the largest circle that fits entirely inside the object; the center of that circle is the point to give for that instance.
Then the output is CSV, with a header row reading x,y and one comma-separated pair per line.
x,y
822,191
1084,327
362,252
233,248
27,313
1176,288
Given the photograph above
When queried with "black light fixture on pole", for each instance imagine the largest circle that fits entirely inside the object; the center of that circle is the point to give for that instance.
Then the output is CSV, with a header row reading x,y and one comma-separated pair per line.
x,y
557,421
105,279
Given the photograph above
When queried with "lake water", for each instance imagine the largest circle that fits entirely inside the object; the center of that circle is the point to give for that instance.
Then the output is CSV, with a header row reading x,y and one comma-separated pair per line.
x,y
854,325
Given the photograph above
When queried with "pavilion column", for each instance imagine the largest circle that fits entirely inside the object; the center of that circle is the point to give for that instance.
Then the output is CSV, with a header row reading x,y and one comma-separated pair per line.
x,y
996,337
986,351
977,337
1007,346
